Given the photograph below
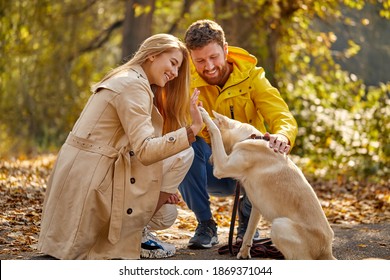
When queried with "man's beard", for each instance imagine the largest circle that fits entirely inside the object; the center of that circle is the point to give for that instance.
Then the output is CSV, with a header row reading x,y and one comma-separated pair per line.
x,y
217,80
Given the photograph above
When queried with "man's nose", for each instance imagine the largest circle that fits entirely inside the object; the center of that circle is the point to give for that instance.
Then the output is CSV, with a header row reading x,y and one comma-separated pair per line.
x,y
209,65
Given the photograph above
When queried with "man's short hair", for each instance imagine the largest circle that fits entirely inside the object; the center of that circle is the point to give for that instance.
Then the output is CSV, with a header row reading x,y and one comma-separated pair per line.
x,y
203,32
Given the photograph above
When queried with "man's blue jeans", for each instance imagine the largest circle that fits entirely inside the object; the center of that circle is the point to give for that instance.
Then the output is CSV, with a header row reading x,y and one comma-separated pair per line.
x,y
200,182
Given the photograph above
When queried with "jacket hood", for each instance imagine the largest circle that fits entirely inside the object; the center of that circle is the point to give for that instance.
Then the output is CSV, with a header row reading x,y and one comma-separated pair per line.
x,y
241,58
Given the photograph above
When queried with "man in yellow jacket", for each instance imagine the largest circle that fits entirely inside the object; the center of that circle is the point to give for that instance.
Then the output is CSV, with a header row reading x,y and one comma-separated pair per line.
x,y
230,83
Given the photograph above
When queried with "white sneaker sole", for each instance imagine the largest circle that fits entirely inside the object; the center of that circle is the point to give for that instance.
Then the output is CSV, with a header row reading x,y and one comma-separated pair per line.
x,y
214,241
156,254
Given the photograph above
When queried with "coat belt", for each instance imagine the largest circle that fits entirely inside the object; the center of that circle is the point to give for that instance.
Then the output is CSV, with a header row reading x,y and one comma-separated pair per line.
x,y
120,181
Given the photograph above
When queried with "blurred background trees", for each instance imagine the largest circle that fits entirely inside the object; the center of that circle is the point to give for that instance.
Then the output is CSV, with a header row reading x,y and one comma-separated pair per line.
x,y
329,59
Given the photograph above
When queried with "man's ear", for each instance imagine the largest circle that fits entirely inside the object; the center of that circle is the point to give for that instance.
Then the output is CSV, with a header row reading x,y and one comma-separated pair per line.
x,y
225,49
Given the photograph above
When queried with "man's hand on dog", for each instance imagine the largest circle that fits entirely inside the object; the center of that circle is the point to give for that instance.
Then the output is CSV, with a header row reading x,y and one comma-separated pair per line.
x,y
279,143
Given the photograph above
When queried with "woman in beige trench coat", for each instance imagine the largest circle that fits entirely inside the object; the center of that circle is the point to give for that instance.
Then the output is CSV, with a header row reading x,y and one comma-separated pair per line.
x,y
109,177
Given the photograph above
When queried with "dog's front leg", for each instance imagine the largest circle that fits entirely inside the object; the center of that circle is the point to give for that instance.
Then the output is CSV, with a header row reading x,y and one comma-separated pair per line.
x,y
211,126
220,158
248,237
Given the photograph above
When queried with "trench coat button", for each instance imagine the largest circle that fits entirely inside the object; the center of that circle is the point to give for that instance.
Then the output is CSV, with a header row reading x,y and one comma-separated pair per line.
x,y
132,180
131,153
129,211
171,139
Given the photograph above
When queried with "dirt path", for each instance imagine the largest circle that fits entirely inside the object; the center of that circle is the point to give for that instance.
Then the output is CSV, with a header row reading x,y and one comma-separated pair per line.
x,y
352,242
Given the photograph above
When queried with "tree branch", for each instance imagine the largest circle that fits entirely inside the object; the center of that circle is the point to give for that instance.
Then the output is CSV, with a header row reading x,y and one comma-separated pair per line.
x,y
186,9
100,39
81,9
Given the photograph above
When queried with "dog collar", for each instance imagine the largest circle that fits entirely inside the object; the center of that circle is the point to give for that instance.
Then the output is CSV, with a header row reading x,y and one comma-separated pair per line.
x,y
261,137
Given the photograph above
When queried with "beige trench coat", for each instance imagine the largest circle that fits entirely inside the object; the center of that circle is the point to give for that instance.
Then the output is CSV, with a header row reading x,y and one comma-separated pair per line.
x,y
106,181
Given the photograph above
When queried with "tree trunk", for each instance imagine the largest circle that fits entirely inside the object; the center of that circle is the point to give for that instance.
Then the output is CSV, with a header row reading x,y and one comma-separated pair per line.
x,y
272,45
237,21
137,25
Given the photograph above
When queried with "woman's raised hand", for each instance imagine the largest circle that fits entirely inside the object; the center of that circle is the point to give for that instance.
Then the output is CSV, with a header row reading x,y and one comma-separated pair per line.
x,y
197,121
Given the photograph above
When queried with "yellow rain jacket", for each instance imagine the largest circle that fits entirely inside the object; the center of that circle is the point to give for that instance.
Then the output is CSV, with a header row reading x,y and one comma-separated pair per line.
x,y
247,97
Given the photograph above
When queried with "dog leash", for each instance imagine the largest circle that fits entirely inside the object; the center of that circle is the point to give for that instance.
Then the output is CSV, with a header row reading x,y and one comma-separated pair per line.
x,y
236,201
260,248
233,218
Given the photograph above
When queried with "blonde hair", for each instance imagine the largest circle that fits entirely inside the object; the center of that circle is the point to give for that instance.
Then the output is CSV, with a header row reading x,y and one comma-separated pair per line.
x,y
174,96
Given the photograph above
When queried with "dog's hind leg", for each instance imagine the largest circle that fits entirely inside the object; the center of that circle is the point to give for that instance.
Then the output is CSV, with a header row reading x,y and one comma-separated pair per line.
x,y
287,237
248,237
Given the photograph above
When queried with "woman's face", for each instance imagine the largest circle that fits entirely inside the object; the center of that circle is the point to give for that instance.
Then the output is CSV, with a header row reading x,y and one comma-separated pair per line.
x,y
165,67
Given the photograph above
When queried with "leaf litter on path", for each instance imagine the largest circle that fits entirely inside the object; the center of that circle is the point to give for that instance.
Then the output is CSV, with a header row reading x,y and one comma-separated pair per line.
x,y
23,184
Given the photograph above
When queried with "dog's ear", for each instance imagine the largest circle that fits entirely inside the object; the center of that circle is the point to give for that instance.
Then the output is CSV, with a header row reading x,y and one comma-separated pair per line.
x,y
217,115
220,120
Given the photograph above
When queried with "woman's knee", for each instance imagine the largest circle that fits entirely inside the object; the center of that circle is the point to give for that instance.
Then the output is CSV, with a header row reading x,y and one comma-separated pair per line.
x,y
164,218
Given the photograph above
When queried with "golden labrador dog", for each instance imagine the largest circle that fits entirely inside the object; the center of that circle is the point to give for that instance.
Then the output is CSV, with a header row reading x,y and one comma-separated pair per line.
x,y
276,188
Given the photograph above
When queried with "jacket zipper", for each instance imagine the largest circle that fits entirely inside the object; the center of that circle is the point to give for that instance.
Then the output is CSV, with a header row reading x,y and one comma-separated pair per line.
x,y
232,111
231,106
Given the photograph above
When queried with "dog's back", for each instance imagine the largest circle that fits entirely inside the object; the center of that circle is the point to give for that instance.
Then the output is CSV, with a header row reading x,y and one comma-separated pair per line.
x,y
278,189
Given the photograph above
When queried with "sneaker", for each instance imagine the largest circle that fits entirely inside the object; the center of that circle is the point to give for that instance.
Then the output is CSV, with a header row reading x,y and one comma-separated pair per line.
x,y
153,248
205,235
243,224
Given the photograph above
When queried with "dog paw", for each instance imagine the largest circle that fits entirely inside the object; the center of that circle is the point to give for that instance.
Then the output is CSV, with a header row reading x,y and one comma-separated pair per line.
x,y
243,255
204,113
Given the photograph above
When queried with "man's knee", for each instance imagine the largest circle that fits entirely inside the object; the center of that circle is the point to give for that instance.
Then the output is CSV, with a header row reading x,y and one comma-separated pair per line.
x,y
221,187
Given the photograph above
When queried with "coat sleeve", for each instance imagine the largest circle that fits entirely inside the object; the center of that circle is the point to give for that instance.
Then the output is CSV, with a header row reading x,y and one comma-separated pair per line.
x,y
273,108
134,107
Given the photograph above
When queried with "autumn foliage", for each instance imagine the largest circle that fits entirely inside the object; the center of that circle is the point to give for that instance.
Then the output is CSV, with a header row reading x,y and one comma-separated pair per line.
x,y
23,183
